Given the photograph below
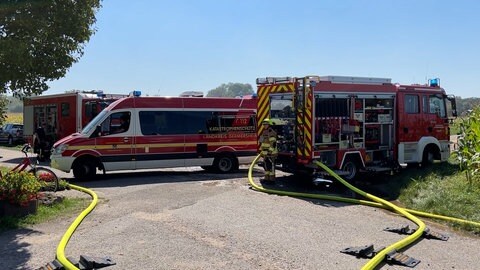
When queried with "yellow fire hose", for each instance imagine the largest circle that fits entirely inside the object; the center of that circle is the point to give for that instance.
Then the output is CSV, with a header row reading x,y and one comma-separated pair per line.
x,y
68,234
376,202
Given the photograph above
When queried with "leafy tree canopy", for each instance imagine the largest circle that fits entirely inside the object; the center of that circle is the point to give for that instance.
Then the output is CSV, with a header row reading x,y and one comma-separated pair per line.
x,y
40,40
231,90
465,105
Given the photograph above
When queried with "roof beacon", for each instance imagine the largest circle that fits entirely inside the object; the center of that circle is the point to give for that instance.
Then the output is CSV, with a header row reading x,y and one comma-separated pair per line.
x,y
135,93
434,82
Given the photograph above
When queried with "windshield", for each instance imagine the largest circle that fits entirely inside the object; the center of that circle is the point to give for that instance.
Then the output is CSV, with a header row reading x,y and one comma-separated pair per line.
x,y
437,105
94,123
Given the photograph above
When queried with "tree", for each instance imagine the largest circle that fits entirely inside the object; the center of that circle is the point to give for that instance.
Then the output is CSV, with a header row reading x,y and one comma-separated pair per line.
x,y
40,40
15,105
3,108
466,105
231,90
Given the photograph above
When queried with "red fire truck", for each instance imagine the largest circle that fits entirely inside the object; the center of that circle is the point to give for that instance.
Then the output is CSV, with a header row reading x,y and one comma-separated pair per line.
x,y
355,124
63,114
158,132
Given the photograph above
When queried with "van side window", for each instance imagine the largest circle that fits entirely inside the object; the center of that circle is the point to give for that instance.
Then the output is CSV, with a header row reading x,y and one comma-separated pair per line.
x,y
197,121
194,122
162,122
116,123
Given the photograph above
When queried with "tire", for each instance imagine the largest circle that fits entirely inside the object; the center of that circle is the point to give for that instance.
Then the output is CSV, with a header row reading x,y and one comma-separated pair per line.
x,y
47,177
351,167
208,168
225,164
84,169
428,157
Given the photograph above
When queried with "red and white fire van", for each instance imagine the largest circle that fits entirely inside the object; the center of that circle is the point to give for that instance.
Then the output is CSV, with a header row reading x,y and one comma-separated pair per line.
x,y
158,132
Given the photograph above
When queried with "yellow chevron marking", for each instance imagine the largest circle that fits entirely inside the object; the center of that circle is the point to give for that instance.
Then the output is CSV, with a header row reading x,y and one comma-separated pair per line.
x,y
263,109
309,136
309,113
308,123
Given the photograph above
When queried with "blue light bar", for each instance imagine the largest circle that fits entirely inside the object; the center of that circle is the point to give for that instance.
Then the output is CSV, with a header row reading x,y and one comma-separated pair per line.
x,y
136,93
434,82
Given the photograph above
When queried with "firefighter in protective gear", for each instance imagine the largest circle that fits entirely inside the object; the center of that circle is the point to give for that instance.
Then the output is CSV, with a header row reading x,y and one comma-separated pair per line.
x,y
268,150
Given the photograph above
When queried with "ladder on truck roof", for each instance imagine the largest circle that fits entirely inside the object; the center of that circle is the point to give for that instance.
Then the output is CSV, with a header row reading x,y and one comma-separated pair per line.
x,y
330,78
356,80
273,80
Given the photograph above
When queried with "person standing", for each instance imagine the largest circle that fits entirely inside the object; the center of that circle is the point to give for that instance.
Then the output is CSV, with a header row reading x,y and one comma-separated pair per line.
x,y
268,150
39,142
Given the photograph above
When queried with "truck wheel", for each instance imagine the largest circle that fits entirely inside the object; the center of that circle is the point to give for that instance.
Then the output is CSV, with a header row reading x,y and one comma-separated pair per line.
x,y
428,156
84,170
225,164
351,167
208,168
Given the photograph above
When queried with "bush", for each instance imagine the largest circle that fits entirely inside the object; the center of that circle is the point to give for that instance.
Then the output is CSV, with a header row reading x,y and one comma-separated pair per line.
x,y
19,187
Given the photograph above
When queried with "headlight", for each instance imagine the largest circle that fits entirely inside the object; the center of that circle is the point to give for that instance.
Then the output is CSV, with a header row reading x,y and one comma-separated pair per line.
x,y
60,149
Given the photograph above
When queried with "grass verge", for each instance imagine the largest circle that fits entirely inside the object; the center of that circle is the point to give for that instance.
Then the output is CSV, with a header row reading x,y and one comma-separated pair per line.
x,y
439,189
45,213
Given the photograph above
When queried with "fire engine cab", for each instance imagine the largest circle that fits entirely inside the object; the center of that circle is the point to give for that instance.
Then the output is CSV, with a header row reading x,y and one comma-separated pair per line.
x,y
63,114
355,124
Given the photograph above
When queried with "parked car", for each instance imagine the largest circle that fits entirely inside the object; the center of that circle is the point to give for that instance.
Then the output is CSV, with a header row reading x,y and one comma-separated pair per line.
x,y
11,134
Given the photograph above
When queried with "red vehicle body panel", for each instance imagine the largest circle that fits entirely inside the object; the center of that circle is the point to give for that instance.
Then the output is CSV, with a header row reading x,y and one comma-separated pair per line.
x,y
152,142
368,120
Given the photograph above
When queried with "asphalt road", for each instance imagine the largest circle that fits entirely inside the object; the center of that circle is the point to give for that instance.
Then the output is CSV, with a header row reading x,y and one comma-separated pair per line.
x,y
188,219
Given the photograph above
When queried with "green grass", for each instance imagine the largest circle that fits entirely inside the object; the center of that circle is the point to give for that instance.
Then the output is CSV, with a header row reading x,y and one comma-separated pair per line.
x,y
440,189
68,207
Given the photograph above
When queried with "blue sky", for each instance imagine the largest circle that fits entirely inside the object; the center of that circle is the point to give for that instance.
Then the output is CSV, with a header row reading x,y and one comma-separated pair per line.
x,y
168,47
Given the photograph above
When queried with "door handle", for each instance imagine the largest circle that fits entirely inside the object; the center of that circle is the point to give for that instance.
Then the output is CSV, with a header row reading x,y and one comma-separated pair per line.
x,y
126,139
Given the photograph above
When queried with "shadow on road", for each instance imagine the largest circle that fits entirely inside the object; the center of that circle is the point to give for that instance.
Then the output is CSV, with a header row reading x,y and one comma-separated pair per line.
x,y
15,253
178,175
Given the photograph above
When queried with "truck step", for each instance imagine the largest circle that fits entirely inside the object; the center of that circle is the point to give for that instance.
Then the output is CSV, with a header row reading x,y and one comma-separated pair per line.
x,y
339,172
377,169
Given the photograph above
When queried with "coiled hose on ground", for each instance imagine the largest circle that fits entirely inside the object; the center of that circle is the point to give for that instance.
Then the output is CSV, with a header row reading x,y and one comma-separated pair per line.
x,y
375,202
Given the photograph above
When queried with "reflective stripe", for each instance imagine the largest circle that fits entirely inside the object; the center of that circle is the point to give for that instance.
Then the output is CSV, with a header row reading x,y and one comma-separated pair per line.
x,y
265,146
